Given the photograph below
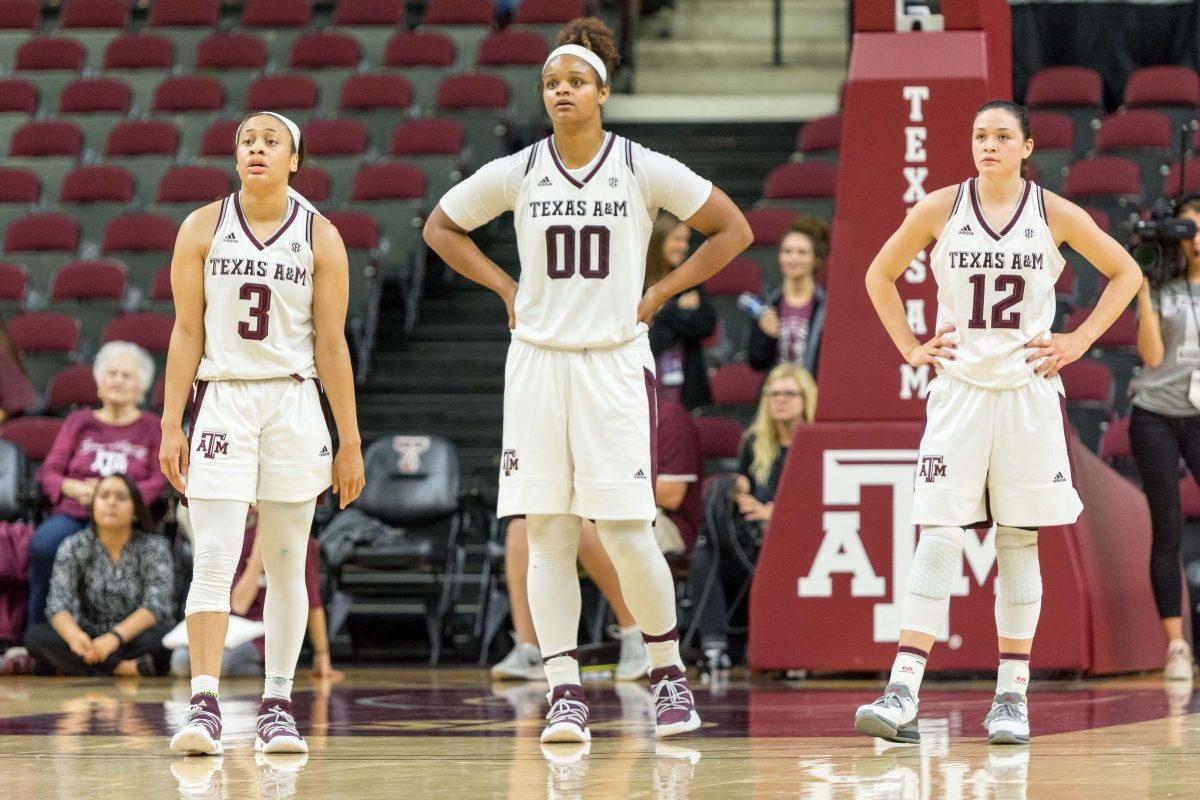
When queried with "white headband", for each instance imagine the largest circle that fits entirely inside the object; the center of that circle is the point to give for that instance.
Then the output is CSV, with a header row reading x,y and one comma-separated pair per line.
x,y
580,52
293,129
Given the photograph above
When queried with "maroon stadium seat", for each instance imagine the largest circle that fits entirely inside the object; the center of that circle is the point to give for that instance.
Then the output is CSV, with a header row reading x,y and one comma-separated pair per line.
x,y
729,339
231,51
160,289
142,137
19,185
184,13
374,91
139,231
769,225
1088,381
1065,285
1051,130
388,182
1133,129
72,387
94,14
720,437
188,93
740,275
458,12
318,50
1075,91
158,393
193,184
736,385
88,280
46,231
46,53
1189,497
146,328
275,13
512,47
1122,333
1110,184
427,137
47,138
19,14
34,435
1171,186
802,179
44,331
218,140
334,137
457,92
14,282
368,12
290,93
96,183
359,231
18,96
820,139
312,182
139,51
1163,86
419,50
86,95
545,12
1115,445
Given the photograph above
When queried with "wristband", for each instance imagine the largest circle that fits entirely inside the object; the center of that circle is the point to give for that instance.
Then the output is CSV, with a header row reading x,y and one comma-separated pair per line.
x,y
120,638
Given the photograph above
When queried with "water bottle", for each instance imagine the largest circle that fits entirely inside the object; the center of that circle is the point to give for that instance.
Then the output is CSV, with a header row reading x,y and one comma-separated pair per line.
x,y
751,304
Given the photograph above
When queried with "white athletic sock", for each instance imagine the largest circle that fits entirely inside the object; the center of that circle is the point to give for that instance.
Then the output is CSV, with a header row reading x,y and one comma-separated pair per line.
x,y
283,531
1013,676
553,581
664,654
204,684
631,631
908,669
561,670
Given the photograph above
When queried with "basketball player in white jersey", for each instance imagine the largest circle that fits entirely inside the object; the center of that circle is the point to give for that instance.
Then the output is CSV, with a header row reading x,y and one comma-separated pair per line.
x,y
579,406
994,447
260,283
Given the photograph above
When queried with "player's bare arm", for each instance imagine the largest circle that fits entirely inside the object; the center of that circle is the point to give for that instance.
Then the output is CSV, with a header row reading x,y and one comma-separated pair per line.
x,y
463,256
331,289
728,234
1150,345
921,226
187,336
1071,224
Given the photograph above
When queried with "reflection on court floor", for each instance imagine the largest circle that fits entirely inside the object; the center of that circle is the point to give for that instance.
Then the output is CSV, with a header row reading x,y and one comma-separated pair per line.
x,y
451,734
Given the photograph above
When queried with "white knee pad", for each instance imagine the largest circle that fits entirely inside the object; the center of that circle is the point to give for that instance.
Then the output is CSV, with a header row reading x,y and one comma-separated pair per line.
x,y
553,580
936,562
553,538
646,583
1018,583
219,527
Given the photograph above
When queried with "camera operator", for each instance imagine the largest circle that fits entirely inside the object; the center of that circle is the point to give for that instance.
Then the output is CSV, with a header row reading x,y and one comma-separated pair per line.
x,y
1165,421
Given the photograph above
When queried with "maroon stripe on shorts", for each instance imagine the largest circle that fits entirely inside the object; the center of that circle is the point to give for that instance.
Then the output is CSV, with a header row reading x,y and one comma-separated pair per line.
x,y
652,402
193,414
1062,409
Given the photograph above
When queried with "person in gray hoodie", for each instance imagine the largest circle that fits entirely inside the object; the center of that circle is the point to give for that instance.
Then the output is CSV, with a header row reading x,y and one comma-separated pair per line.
x,y
789,331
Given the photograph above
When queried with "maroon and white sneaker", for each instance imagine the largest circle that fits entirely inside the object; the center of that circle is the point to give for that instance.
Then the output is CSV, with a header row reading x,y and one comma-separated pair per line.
x,y
277,728
674,706
567,718
200,734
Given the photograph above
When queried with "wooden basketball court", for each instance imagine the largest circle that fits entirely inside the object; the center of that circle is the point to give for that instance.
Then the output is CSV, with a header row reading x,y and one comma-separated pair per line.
x,y
409,733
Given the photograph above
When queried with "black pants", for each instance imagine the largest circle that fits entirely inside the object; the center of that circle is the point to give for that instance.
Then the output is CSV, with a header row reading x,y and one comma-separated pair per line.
x,y
720,575
1158,441
53,654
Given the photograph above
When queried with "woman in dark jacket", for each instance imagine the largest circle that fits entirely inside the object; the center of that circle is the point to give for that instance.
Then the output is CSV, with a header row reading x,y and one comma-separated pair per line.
x,y
789,331
683,322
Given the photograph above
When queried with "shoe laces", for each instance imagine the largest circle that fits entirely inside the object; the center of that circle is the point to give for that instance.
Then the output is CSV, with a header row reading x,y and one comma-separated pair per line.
x,y
198,714
276,721
673,693
891,699
568,709
1006,708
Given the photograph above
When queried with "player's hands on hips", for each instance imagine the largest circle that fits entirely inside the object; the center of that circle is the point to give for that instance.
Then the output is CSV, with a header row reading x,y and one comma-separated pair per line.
x,y
348,477
940,346
173,457
509,296
1057,351
652,300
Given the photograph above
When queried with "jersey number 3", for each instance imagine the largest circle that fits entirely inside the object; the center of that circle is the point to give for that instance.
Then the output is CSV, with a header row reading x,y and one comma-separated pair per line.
x,y
1013,284
260,311
561,249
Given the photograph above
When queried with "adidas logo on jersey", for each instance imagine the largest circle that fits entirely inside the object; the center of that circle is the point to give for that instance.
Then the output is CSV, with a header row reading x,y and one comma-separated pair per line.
x,y
1059,478
545,181
324,451
640,474
230,237
965,230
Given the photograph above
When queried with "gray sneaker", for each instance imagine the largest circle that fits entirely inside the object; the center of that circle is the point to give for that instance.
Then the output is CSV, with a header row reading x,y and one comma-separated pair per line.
x,y
523,663
892,717
1008,721
634,663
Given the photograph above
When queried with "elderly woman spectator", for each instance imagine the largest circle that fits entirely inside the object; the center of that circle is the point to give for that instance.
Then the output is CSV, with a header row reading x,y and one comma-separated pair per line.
x,y
117,438
111,593
16,393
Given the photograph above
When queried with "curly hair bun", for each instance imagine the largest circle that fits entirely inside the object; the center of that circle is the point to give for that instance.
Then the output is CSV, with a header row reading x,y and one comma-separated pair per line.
x,y
593,34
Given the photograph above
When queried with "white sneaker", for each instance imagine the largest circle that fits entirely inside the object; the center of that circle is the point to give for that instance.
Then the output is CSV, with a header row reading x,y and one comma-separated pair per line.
x,y
634,663
567,719
523,663
1008,721
1180,664
892,717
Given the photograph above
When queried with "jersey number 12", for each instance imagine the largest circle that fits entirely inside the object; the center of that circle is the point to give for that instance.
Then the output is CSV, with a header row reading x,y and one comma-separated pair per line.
x,y
1001,318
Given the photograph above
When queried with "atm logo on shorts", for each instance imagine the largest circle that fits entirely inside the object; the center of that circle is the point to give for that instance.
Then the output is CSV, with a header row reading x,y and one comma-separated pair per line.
x,y
508,462
213,444
932,468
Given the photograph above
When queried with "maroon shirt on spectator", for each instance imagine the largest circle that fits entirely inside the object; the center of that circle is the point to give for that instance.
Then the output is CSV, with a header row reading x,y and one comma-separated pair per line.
x,y
680,459
312,581
88,448
16,393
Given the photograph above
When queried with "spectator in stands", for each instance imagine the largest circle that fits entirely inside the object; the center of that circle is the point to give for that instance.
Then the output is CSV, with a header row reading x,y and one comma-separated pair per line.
x,y
247,600
16,393
112,592
677,493
1165,424
740,508
116,438
683,322
789,331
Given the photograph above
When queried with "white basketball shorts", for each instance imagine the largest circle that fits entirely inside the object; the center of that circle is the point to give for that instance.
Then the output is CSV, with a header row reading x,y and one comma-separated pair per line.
x,y
259,440
580,432
994,455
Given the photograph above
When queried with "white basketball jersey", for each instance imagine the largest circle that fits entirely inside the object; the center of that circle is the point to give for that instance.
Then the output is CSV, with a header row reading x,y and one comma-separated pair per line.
x,y
995,287
582,242
258,298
